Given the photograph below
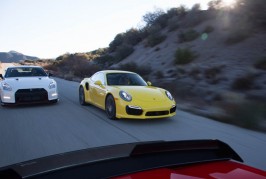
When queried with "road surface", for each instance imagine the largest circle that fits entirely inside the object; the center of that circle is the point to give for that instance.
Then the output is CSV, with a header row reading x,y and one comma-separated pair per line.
x,y
28,132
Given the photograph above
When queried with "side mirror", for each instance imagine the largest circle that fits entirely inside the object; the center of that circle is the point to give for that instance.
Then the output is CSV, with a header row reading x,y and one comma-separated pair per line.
x,y
98,82
149,83
50,74
1,76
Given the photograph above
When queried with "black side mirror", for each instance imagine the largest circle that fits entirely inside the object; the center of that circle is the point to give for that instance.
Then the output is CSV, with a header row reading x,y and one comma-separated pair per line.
x,y
50,74
1,76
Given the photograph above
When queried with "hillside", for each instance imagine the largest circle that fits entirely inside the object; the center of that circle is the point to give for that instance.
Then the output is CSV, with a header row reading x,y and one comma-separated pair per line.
x,y
217,65
13,56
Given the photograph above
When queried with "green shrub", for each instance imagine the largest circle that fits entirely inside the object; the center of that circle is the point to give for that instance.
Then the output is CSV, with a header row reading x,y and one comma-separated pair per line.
x,y
237,36
155,39
208,29
261,63
105,60
184,56
243,83
123,51
187,36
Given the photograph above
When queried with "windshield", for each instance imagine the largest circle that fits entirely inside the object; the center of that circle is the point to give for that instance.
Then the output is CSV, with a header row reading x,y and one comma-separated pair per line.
x,y
124,79
24,72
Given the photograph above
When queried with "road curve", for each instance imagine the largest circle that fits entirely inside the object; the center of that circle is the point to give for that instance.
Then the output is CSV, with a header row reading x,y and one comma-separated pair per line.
x,y
28,132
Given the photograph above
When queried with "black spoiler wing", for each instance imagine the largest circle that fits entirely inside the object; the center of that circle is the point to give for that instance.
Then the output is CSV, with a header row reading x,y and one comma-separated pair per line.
x,y
121,159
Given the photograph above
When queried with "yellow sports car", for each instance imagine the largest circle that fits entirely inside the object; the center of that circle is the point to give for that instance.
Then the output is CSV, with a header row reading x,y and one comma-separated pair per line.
x,y
124,94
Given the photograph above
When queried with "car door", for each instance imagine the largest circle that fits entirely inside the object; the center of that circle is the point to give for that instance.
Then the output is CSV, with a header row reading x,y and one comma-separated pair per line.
x,y
98,89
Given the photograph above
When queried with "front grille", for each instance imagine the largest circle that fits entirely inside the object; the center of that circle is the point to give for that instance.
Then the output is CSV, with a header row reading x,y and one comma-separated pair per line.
x,y
157,113
133,111
173,109
31,95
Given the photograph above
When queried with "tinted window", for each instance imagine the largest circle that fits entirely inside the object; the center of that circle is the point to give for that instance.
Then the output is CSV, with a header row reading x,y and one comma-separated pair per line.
x,y
125,79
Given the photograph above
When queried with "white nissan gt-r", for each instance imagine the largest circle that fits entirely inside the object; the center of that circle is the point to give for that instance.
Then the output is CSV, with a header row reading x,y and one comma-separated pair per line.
x,y
27,84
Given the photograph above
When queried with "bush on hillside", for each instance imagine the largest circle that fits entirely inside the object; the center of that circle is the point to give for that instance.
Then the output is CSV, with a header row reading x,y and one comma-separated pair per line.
x,y
180,11
155,39
151,17
184,56
173,23
105,60
208,29
243,83
187,36
261,63
72,66
118,40
123,51
237,36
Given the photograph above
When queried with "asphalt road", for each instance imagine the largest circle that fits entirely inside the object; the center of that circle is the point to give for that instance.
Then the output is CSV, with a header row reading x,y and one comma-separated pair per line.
x,y
28,132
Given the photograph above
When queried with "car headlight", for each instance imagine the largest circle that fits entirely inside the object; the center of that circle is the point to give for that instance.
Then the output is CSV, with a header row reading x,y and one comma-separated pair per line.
x,y
125,96
52,85
6,87
168,94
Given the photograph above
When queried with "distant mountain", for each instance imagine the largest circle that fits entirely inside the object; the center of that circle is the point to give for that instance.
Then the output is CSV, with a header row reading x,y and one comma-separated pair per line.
x,y
13,56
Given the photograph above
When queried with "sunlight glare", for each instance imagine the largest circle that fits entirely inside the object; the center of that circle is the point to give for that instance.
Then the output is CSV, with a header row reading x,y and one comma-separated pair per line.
x,y
229,3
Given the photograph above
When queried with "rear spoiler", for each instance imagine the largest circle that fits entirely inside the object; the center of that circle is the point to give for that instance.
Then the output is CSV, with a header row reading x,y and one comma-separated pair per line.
x,y
121,159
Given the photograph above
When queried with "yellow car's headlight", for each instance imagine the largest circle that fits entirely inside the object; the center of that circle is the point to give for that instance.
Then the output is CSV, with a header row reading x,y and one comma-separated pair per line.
x,y
125,96
168,94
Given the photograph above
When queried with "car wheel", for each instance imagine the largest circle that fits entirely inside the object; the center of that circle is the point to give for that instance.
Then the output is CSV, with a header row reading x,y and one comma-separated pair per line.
x,y
110,107
81,96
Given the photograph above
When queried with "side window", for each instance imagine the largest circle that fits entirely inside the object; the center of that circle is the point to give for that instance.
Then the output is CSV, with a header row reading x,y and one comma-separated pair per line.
x,y
95,77
101,78
98,76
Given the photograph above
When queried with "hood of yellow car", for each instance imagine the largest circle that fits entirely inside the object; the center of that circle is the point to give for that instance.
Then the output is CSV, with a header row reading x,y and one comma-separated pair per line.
x,y
145,93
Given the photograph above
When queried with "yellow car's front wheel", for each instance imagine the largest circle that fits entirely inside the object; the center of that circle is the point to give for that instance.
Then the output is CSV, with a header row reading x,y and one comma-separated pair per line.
x,y
82,96
110,107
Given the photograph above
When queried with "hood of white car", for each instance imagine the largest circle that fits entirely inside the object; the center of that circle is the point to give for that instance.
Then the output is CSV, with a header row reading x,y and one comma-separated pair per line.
x,y
28,82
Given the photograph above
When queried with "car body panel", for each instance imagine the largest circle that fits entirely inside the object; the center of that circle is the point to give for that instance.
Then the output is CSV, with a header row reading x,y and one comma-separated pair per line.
x,y
148,98
31,84
208,170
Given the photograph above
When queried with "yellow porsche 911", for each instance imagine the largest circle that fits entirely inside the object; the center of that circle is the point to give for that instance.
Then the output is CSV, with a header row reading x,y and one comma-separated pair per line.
x,y
124,94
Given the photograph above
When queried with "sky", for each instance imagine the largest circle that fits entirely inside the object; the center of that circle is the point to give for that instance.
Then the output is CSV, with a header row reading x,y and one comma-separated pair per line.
x,y
50,28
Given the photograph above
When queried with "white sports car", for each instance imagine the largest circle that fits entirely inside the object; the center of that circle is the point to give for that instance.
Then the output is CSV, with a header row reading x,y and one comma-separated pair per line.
x,y
27,84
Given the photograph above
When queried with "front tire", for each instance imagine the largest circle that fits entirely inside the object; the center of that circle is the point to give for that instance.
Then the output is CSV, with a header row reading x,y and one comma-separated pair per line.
x,y
110,108
82,96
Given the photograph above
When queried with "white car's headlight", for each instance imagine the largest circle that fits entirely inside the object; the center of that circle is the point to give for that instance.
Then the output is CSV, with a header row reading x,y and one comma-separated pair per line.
x,y
6,87
168,94
125,96
52,85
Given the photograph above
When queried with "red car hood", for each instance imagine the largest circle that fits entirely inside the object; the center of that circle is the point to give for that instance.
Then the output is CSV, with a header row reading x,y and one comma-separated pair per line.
x,y
212,170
